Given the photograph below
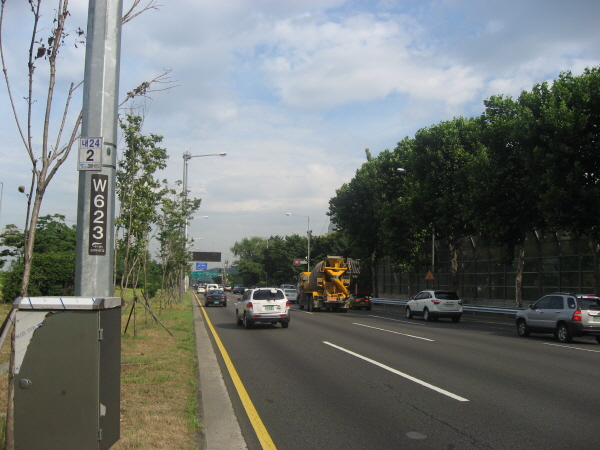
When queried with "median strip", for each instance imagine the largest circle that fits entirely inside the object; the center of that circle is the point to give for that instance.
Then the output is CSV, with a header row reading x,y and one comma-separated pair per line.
x,y
397,372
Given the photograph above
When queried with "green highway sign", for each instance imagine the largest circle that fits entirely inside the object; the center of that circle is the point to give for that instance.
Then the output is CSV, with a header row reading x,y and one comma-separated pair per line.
x,y
204,274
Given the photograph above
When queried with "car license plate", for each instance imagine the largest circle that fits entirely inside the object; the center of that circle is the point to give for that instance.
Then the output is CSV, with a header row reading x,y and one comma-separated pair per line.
x,y
269,308
216,303
596,318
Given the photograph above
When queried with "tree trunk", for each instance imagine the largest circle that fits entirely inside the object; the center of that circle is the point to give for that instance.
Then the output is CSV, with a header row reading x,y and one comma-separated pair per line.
x,y
519,276
375,291
453,246
28,253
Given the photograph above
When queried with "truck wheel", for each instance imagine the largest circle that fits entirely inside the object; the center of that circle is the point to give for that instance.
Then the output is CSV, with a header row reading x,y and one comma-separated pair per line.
x,y
301,306
343,310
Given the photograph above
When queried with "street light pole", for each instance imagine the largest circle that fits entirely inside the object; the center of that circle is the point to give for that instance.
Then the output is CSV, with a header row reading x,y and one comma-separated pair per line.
x,y
308,236
186,157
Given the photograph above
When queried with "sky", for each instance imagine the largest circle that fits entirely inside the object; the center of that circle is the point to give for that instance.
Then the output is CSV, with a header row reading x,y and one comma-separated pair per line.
x,y
293,91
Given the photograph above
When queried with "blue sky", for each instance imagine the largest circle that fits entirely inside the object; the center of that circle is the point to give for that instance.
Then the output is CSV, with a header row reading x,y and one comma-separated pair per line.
x,y
294,91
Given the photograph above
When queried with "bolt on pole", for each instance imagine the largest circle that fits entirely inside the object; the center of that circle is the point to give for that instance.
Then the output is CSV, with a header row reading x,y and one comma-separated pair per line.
x,y
96,201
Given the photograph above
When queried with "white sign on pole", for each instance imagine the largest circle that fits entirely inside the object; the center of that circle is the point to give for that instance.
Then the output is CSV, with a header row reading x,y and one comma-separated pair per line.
x,y
90,153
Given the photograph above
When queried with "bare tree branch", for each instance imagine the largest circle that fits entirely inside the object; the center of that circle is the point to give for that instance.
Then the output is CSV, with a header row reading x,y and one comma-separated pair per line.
x,y
144,88
132,14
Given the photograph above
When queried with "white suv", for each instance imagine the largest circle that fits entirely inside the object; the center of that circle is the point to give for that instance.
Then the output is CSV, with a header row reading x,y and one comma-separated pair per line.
x,y
435,304
266,305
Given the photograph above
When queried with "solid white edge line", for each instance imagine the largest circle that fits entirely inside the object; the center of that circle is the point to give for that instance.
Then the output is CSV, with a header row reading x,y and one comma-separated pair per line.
x,y
395,332
397,372
573,348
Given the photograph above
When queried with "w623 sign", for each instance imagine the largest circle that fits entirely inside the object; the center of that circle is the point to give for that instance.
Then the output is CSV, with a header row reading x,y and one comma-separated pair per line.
x,y
98,210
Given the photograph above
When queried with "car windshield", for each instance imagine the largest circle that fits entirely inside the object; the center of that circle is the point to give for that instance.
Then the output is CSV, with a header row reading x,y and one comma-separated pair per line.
x,y
268,294
443,295
589,303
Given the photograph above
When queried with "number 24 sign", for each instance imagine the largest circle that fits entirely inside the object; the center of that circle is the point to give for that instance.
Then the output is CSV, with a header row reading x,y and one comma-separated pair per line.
x,y
90,153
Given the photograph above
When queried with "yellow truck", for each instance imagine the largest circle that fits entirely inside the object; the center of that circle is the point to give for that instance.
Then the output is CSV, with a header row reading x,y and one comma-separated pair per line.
x,y
327,285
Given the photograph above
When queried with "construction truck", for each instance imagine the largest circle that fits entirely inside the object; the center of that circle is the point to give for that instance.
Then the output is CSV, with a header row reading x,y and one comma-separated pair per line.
x,y
327,286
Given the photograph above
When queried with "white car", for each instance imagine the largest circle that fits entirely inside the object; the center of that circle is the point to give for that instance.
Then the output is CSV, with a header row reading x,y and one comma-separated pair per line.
x,y
201,290
264,305
435,304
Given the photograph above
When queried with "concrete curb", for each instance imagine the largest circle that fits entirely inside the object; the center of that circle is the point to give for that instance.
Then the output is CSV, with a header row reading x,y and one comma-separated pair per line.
x,y
221,428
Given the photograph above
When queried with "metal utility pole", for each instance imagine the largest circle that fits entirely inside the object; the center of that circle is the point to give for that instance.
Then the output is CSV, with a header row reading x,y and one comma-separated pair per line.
x,y
97,151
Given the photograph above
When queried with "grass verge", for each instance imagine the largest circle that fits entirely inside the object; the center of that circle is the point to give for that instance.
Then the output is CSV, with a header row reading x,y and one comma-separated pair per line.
x,y
158,381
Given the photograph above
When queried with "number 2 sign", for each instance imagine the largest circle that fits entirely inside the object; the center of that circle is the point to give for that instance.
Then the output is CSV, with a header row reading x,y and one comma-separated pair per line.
x,y
90,153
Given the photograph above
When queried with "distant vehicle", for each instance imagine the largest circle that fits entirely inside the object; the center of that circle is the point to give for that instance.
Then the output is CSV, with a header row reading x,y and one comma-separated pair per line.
x,y
433,305
211,287
201,290
264,305
360,301
565,315
215,297
238,289
291,295
227,288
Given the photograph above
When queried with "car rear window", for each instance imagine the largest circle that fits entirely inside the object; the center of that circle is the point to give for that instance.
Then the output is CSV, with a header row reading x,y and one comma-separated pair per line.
x,y
265,294
290,291
443,295
589,303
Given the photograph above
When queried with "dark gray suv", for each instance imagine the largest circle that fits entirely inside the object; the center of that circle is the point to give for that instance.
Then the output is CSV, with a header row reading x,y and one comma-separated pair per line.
x,y
565,315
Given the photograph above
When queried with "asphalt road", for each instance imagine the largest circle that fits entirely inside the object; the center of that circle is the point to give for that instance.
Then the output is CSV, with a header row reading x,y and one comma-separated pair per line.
x,y
374,380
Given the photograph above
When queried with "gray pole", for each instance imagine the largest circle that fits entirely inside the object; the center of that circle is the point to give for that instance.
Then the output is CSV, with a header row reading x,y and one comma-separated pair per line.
x,y
96,201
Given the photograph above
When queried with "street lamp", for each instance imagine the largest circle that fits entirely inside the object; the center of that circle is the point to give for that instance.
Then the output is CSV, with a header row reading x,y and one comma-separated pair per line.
x,y
308,235
186,157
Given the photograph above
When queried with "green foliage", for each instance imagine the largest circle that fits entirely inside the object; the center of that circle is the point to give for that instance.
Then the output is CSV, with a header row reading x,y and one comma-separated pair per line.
x,y
53,273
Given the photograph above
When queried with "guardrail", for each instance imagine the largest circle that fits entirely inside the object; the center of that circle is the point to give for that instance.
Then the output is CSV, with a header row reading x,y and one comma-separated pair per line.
x,y
466,308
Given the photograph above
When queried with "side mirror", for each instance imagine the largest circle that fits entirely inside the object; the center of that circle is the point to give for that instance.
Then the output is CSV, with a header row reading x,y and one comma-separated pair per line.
x,y
531,306
239,299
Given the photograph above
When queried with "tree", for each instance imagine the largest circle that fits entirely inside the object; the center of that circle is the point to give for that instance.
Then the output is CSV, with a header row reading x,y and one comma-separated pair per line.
x,y
139,194
505,193
441,159
563,126
53,262
174,255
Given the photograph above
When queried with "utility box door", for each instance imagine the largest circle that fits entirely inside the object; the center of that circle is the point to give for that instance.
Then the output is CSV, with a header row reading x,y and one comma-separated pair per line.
x,y
67,379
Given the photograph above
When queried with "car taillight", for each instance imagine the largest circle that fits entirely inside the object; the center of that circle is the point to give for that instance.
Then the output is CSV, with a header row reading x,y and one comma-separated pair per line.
x,y
249,305
435,302
367,300
287,303
577,316
460,302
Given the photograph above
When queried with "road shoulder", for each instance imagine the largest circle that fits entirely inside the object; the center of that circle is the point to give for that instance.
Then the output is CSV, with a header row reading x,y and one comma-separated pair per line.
x,y
221,428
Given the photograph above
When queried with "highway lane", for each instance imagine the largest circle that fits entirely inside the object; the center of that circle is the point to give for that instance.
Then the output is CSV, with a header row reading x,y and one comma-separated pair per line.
x,y
522,393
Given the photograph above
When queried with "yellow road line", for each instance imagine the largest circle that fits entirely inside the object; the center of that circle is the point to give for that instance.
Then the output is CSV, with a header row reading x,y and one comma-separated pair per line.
x,y
257,423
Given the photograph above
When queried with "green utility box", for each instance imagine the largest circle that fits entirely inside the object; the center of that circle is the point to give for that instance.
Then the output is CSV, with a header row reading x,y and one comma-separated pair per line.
x,y
67,373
